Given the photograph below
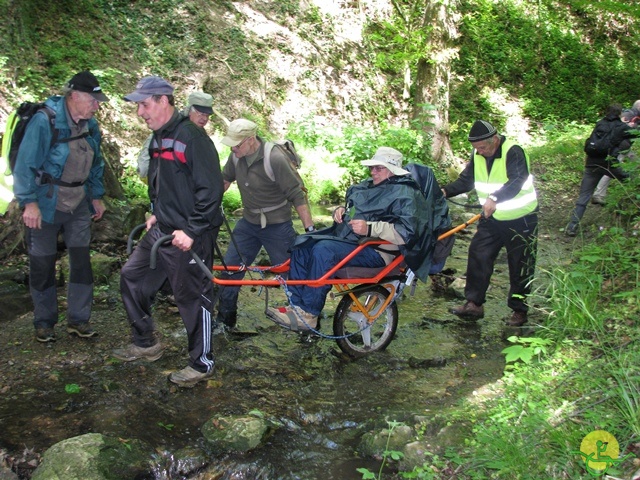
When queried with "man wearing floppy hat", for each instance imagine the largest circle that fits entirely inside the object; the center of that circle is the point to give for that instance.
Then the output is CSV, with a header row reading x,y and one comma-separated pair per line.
x,y
185,189
500,172
58,182
266,218
390,206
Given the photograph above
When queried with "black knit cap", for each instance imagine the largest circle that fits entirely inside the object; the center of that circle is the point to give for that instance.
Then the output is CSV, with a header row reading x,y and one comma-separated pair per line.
x,y
481,130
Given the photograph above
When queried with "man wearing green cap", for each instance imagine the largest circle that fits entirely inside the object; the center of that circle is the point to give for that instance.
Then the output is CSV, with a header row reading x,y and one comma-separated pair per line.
x,y
500,172
266,218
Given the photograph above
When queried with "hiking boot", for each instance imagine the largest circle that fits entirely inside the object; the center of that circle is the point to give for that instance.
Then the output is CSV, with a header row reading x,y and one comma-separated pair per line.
x,y
517,319
188,377
469,310
597,200
45,334
83,330
134,352
228,319
571,230
293,317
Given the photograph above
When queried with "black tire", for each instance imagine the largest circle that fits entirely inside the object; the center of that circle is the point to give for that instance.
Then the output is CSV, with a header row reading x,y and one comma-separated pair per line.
x,y
356,338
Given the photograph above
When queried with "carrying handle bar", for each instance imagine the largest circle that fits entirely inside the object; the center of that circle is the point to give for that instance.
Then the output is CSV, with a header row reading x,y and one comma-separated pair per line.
x,y
133,235
153,259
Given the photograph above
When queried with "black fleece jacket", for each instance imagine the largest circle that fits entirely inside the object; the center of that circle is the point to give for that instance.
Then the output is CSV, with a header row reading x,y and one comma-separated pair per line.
x,y
185,182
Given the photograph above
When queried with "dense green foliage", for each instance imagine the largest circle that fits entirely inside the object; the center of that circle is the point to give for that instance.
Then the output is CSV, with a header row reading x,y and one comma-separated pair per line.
x,y
564,60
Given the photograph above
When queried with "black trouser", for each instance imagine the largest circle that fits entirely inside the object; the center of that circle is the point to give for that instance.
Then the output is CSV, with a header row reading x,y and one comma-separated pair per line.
x,y
590,179
519,237
192,290
43,243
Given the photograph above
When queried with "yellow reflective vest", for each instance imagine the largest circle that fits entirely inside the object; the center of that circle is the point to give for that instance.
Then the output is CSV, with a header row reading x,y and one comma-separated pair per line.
x,y
524,203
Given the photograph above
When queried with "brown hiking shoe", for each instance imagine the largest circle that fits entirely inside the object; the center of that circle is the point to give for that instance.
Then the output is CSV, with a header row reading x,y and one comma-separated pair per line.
x,y
189,376
45,334
134,352
469,310
517,319
83,330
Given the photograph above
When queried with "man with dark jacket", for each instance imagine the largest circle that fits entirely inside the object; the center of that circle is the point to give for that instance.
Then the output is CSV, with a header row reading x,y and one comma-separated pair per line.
x,y
59,185
500,172
596,167
266,218
390,206
185,189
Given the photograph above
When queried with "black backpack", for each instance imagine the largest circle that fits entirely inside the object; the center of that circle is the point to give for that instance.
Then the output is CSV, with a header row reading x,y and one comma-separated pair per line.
x,y
17,125
599,143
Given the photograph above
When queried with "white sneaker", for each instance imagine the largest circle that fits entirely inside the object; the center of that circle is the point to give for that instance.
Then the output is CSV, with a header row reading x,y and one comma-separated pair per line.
x,y
293,317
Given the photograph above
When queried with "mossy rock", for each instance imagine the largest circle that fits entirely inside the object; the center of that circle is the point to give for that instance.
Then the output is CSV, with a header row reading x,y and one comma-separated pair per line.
x,y
95,457
239,433
374,444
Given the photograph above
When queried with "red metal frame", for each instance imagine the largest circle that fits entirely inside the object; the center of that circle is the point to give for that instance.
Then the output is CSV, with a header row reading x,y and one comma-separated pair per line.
x,y
326,278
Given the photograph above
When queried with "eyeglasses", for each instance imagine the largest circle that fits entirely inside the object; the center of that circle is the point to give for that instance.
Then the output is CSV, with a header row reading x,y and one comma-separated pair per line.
x,y
377,168
201,115
237,147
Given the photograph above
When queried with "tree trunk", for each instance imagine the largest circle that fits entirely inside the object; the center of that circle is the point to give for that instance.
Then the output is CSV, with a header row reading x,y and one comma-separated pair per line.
x,y
433,78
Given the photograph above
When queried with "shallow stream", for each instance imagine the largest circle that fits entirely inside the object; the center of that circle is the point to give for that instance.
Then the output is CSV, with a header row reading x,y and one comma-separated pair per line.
x,y
325,400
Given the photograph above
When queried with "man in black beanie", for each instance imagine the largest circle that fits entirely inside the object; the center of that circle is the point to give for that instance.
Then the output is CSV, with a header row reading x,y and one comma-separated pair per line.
x,y
500,172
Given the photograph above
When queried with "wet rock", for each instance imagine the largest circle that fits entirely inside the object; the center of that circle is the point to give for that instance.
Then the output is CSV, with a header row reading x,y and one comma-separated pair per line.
x,y
374,444
457,287
415,453
181,464
95,457
427,362
238,433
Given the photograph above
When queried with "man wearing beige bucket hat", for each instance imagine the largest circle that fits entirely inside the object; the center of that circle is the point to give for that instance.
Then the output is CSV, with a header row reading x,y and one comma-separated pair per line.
x,y
390,206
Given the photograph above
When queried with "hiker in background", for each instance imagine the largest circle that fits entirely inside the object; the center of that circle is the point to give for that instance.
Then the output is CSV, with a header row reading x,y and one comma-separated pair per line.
x,y
60,188
185,189
390,206
631,118
266,219
600,160
199,108
500,172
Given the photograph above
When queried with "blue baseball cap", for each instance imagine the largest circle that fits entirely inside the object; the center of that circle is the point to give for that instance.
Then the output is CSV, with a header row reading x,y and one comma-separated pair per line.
x,y
149,86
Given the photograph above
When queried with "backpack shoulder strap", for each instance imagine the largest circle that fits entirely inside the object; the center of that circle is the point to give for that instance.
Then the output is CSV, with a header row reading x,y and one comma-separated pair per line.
x,y
268,146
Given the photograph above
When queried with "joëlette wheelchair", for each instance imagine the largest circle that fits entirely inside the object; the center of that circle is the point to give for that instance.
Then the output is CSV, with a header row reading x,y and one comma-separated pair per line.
x,y
366,318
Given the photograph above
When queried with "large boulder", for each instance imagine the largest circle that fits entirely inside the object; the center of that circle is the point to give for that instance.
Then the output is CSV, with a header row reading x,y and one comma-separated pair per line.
x,y
94,456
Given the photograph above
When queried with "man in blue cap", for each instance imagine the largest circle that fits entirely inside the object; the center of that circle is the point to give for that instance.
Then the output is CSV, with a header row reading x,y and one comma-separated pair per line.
x,y
185,189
